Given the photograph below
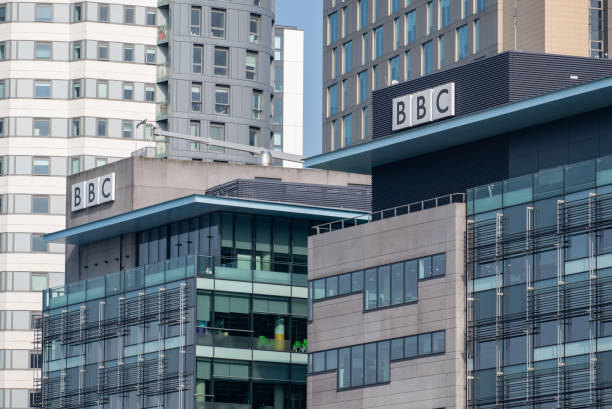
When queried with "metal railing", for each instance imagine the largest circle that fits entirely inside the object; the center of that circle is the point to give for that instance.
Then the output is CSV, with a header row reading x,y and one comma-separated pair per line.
x,y
389,213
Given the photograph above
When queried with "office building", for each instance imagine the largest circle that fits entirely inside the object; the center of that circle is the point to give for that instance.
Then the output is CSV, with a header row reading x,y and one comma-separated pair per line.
x,y
75,79
179,299
371,44
482,278
215,78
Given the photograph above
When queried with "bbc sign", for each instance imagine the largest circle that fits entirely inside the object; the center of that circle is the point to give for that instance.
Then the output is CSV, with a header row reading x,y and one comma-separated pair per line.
x,y
93,192
424,106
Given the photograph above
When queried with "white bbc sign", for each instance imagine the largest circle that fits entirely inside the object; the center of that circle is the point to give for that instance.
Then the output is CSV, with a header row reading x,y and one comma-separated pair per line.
x,y
93,192
424,106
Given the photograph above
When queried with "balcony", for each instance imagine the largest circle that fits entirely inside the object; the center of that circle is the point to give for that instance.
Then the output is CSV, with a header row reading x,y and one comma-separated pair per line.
x,y
162,34
162,112
162,73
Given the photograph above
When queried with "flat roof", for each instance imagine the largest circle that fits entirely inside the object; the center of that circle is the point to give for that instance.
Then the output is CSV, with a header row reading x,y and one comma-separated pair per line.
x,y
510,117
187,207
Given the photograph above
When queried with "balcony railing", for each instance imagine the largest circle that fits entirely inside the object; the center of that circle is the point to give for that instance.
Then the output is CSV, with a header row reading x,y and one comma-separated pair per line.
x,y
244,339
162,34
162,112
388,213
162,73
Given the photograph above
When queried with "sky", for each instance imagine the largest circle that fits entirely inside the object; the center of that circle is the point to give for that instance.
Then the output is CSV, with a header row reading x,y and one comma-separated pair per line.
x,y
308,16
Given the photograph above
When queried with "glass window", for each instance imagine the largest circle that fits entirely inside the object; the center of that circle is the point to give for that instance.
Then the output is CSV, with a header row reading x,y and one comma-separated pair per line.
x,y
363,87
43,50
465,8
546,333
151,17
425,270
546,212
411,27
344,284
476,35
251,65
357,365
128,90
217,131
128,52
462,43
332,99
77,12
126,129
363,13
3,13
38,243
40,204
75,128
221,61
397,34
518,190
150,55
77,50
3,49
384,351
257,104
318,362
410,347
254,23
397,348
348,56
365,46
102,51
103,12
332,28
39,282
278,111
44,12
41,127
102,89
438,265
485,354
384,286
277,141
438,342
369,373
546,265
101,127
222,101
42,89
444,13
548,183
424,344
430,17
441,51
76,89
217,23
379,42
195,20
579,176
480,5
347,123
427,50
254,136
411,281
357,281
2,89
344,368
370,288
196,97
515,351
515,269
394,69
397,283
364,122
149,93
278,47
197,59
331,359
128,15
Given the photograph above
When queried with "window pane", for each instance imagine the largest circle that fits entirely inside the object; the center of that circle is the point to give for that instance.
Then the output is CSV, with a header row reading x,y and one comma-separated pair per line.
x,y
331,359
439,342
410,347
39,282
344,284
397,348
40,204
438,265
357,277
370,364
319,289
370,289
383,361
344,368
332,286
411,281
424,344
357,365
319,361
384,286
41,166
425,267
397,283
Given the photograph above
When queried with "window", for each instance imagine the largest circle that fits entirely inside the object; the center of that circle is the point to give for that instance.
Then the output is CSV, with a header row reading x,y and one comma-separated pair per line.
x,y
332,99
149,92
277,141
397,34
39,282
102,89
128,52
396,5
44,12
221,61
217,131
364,122
394,69
151,17
128,15
332,28
197,58
344,22
41,127
278,112
75,127
128,90
254,23
441,51
3,13
444,7
254,136
345,98
480,5
379,44
408,65
427,51
257,106
278,78
126,129
194,130
347,123
195,20
375,77
348,56
222,101
77,12
42,89
335,135
74,165
77,91
196,97
150,55
101,161
430,17
363,13
335,64
103,12
3,55
101,128
363,87
278,47
411,27
77,50
365,47
462,43
476,35
102,51
465,9
43,51
217,23
2,89
251,65
40,166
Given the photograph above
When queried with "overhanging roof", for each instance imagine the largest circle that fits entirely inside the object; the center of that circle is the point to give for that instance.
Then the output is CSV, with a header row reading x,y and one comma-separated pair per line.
x,y
468,128
184,208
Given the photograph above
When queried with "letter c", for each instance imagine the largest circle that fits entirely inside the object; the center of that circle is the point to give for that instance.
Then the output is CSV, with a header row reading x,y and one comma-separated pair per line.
x,y
442,111
104,193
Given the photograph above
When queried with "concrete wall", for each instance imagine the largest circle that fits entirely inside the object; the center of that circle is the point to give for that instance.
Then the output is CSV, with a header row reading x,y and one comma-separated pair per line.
x,y
429,382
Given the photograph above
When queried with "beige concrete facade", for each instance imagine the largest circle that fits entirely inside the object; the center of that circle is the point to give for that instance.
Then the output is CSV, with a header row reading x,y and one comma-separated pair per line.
x,y
424,383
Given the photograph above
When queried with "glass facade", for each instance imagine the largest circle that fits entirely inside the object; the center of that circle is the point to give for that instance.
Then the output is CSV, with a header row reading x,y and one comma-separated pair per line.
x,y
539,265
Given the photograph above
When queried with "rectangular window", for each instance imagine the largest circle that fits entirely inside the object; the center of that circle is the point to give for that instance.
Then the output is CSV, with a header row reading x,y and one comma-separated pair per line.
x,y
384,286
254,28
411,280
444,10
345,98
196,97
128,90
197,59
74,165
357,365
278,79
43,50
476,35
363,13
430,17
480,5
217,23
348,56
344,22
365,47
77,90
369,377
102,51
151,17
254,136
3,55
427,52
375,77
101,161
257,104
40,166
347,123
370,286
38,245
344,363
364,122
394,69
278,47
103,13
379,45
397,34
77,50
149,93
3,13
335,137
408,65
150,56
462,43
222,100
363,87
39,282
44,12
102,89
128,15
195,20
465,9
396,5
277,141
75,127
128,52
278,112
332,28
2,89
411,27
251,65
332,100
101,127
77,12
126,129
41,127
441,51
221,63
42,89
217,131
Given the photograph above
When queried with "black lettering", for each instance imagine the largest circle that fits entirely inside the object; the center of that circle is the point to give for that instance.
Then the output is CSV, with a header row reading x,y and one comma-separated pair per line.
x,y
77,196
421,109
440,109
401,115
91,194
104,194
